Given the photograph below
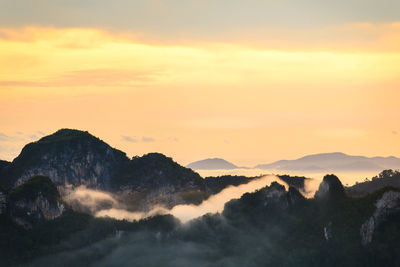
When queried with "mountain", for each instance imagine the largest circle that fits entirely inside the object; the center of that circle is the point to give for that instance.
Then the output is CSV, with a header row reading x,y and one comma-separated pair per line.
x,y
67,157
4,164
35,201
334,162
269,227
212,164
73,157
387,178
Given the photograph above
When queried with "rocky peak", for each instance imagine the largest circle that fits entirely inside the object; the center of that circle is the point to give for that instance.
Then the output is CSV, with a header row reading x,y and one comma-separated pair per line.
x,y
155,170
274,196
35,201
331,188
67,157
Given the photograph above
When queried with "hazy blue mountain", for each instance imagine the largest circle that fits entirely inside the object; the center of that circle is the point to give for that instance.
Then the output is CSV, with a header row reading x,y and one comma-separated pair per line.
x,y
212,164
332,162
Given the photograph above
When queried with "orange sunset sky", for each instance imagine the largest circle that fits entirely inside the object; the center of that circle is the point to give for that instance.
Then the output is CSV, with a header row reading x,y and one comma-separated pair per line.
x,y
248,81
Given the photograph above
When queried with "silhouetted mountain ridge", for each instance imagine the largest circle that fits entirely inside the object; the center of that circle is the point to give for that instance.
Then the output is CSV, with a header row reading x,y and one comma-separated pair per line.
x,y
212,164
333,162
74,157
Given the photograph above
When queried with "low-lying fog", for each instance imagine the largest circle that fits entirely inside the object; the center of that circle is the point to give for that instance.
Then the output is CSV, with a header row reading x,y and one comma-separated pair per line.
x,y
103,204
347,178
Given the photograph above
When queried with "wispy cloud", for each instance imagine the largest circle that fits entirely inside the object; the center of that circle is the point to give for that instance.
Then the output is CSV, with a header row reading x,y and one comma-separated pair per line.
x,y
91,77
148,139
11,138
144,139
129,139
4,137
12,143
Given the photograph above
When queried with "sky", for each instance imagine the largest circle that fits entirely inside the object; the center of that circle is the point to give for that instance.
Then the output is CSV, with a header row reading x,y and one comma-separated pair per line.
x,y
247,81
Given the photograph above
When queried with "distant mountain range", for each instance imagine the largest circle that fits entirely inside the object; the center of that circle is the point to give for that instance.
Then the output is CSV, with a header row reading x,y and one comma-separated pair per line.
x,y
331,162
212,164
324,162
346,226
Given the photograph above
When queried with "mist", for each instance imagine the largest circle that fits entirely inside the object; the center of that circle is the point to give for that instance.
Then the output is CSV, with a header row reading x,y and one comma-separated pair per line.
x,y
104,204
310,187
216,203
200,240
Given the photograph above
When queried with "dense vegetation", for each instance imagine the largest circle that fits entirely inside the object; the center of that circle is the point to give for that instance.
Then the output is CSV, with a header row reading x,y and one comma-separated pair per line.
x,y
383,179
155,170
71,231
34,187
57,151
217,184
295,181
270,227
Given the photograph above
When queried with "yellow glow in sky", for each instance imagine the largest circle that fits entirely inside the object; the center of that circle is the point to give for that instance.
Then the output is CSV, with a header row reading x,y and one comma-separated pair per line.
x,y
246,101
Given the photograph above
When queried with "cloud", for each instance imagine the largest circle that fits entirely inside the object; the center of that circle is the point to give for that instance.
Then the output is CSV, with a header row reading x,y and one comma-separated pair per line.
x,y
4,137
148,139
197,243
135,140
185,213
88,200
33,137
89,78
11,138
129,139
11,144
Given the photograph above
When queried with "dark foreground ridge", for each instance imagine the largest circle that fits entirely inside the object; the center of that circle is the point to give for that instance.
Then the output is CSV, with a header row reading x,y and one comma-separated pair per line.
x,y
356,226
269,227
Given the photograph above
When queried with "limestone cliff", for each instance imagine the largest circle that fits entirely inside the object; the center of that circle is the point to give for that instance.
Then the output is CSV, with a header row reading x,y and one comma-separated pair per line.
x,y
35,201
389,203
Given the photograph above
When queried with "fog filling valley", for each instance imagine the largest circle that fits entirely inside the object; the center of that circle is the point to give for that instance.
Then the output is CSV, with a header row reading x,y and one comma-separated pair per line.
x,y
148,248
104,204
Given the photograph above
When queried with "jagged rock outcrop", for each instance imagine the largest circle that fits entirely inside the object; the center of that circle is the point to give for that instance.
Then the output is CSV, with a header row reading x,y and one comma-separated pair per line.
x,y
27,212
273,197
330,188
389,203
72,157
67,157
155,170
35,201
